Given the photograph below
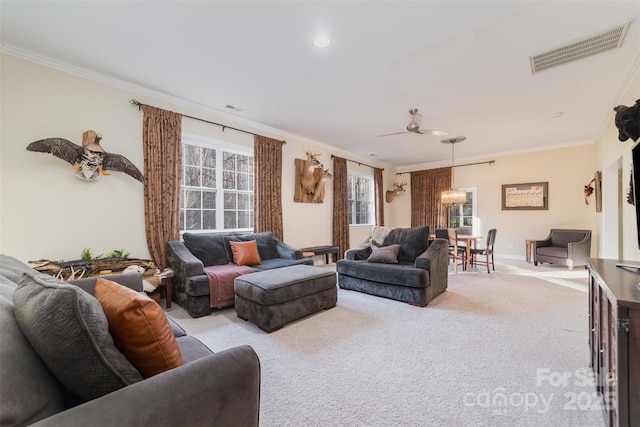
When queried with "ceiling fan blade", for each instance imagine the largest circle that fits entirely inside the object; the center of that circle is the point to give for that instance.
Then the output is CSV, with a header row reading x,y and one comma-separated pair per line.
x,y
395,133
432,132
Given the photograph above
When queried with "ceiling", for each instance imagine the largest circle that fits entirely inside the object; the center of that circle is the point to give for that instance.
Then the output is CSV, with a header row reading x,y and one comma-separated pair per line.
x,y
464,64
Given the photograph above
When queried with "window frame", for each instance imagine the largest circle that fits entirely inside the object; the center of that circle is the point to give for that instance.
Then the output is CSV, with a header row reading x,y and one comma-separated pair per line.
x,y
220,147
474,209
371,199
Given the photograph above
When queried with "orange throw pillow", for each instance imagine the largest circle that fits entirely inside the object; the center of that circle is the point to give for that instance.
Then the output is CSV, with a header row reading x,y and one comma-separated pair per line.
x,y
139,328
245,253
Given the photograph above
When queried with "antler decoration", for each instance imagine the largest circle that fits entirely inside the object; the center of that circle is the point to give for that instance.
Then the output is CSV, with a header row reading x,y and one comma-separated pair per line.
x,y
391,194
90,161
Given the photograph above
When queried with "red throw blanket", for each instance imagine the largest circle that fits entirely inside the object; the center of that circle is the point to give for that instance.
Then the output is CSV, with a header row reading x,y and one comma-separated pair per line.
x,y
221,283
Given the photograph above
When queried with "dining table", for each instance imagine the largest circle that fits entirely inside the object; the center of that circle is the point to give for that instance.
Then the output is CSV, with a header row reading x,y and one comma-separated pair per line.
x,y
469,241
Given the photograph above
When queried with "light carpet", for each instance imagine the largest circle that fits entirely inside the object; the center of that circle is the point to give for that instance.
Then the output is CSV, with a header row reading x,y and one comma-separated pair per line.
x,y
503,349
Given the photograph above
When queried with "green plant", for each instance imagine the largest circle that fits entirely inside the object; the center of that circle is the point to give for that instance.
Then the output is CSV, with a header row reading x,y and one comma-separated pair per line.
x,y
118,253
86,255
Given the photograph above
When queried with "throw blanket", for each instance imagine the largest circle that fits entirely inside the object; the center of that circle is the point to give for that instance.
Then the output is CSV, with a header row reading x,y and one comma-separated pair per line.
x,y
221,283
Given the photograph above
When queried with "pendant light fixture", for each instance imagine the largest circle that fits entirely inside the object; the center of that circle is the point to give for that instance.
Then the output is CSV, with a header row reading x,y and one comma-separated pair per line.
x,y
453,196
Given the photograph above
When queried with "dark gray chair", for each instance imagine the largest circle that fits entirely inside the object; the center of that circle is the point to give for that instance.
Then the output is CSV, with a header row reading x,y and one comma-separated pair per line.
x,y
486,251
563,246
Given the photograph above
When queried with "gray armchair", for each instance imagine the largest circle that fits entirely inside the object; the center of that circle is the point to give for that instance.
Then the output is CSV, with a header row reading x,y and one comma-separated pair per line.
x,y
563,246
418,274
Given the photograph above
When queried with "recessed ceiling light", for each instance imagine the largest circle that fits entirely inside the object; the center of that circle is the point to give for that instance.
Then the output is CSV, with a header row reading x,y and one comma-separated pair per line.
x,y
321,41
557,115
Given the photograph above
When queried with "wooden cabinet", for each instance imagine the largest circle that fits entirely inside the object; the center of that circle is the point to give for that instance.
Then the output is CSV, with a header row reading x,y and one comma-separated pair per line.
x,y
614,339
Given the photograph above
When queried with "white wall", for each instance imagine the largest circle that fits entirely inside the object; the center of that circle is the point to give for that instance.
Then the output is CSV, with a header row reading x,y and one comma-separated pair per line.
x,y
566,170
613,154
47,213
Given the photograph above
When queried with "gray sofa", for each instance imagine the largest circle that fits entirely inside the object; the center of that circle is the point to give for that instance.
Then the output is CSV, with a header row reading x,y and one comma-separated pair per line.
x,y
221,388
189,258
563,246
419,274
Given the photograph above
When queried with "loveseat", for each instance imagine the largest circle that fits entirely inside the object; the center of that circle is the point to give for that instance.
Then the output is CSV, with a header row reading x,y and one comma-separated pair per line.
x,y
204,268
563,246
397,263
59,365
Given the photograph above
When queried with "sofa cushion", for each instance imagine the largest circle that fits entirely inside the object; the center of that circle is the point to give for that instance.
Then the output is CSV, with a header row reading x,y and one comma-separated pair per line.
x,y
245,253
28,391
12,268
270,264
207,247
385,254
388,274
413,241
553,251
68,329
139,328
562,238
266,243
7,288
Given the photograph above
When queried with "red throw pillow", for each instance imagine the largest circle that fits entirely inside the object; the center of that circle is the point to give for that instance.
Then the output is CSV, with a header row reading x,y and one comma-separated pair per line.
x,y
245,253
139,328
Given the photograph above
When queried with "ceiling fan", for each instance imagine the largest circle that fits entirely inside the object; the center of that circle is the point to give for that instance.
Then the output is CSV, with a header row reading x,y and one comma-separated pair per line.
x,y
414,126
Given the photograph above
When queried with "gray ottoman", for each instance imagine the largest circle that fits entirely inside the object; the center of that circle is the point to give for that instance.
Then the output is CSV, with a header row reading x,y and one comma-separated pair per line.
x,y
272,298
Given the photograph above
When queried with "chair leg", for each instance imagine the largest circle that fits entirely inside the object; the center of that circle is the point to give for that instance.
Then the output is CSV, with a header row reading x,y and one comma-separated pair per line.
x,y
488,272
492,263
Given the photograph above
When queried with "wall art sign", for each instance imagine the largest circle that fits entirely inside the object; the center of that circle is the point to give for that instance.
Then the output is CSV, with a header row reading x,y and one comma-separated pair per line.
x,y
530,196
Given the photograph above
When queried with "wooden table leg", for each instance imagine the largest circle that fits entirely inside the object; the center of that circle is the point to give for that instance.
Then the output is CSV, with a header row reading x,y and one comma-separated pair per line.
x,y
168,282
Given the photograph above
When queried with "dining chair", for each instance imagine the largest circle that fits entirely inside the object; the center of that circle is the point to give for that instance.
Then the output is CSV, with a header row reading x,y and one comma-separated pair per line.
x,y
486,251
459,258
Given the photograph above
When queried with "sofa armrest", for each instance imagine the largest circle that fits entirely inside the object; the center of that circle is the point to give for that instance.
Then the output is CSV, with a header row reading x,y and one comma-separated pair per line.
x,y
182,261
362,251
286,251
221,389
578,252
436,260
130,280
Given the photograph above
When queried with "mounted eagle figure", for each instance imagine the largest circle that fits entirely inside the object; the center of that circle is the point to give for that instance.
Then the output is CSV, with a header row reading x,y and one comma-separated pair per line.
x,y
89,160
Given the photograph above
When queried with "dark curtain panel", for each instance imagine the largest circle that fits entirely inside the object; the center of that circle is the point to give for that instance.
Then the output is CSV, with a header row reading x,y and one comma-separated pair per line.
x,y
340,206
162,140
426,208
267,206
379,196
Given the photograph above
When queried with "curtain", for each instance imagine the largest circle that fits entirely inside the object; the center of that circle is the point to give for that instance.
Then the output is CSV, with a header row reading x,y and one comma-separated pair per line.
x,y
267,206
426,208
162,141
340,206
379,196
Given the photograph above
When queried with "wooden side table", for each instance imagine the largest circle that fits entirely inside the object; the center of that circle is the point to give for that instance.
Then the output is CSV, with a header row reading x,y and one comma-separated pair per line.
x,y
325,250
168,283
528,242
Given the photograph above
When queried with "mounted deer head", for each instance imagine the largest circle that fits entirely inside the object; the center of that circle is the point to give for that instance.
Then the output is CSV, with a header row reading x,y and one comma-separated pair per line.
x,y
390,195
308,181
318,193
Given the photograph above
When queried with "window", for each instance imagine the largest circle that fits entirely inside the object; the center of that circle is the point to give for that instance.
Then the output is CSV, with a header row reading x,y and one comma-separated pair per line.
x,y
217,186
462,215
361,204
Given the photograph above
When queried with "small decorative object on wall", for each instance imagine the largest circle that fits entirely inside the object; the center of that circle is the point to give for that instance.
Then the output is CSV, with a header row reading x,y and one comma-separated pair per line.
x,y
89,160
589,190
627,121
391,194
531,196
318,192
309,174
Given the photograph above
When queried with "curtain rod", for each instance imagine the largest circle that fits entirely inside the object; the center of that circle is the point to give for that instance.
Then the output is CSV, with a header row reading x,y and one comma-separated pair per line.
x,y
459,166
359,163
139,104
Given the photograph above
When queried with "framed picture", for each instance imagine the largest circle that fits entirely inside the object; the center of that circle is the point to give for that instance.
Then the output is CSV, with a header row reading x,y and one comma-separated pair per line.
x,y
531,196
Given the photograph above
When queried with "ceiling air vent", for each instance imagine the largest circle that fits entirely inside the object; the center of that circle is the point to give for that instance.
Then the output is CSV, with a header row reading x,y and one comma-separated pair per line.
x,y
588,46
